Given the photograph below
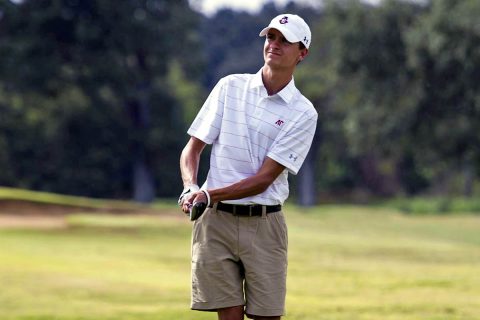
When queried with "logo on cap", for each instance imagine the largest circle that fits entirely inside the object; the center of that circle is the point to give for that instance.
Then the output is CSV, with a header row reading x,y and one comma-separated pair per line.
x,y
284,20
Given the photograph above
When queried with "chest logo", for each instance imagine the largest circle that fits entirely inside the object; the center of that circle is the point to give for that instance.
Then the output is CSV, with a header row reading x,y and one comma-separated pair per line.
x,y
279,122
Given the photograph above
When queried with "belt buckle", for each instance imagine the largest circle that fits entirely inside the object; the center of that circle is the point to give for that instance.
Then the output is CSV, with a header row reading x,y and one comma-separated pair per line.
x,y
250,209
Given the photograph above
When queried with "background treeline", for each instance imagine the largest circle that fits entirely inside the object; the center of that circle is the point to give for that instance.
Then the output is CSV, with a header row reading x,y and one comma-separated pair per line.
x,y
96,95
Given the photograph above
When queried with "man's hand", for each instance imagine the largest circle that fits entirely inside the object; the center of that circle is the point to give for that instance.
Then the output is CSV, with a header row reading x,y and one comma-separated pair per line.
x,y
188,190
192,198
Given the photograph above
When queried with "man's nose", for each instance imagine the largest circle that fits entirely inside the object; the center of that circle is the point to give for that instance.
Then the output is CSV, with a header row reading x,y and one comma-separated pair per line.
x,y
275,43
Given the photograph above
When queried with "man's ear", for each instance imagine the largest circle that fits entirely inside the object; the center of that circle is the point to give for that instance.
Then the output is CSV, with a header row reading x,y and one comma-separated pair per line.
x,y
303,54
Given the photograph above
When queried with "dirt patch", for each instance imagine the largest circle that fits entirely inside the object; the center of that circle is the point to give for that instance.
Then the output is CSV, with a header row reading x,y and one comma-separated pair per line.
x,y
8,221
29,214
20,207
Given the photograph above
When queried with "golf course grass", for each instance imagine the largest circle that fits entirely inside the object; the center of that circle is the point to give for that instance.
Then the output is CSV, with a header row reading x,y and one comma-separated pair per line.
x,y
345,262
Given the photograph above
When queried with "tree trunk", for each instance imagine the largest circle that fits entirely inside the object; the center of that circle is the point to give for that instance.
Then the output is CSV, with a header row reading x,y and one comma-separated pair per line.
x,y
384,184
143,186
307,185
469,175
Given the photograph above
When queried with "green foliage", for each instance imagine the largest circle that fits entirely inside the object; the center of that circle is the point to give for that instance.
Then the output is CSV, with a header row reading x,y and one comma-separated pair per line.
x,y
187,92
436,205
358,82
82,93
444,50
394,89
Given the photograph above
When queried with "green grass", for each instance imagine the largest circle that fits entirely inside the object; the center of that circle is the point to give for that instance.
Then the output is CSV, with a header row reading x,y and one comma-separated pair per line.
x,y
345,262
63,200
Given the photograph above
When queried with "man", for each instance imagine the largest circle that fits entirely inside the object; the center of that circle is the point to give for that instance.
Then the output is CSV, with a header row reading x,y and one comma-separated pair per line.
x,y
260,127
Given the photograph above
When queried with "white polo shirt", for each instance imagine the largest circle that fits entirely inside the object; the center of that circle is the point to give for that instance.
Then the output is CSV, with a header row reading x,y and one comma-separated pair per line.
x,y
244,125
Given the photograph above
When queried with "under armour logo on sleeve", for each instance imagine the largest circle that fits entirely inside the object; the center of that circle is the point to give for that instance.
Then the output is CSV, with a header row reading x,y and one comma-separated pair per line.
x,y
292,157
279,122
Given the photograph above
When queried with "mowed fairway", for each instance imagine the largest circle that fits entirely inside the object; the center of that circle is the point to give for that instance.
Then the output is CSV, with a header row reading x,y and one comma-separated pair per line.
x,y
345,263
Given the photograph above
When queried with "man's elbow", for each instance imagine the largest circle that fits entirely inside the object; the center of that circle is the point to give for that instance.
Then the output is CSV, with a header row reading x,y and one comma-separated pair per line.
x,y
263,184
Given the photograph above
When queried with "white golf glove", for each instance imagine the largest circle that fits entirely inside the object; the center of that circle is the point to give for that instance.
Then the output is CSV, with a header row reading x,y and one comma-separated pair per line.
x,y
186,191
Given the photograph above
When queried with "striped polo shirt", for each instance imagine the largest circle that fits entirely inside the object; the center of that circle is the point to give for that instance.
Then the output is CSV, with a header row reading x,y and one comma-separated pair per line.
x,y
244,125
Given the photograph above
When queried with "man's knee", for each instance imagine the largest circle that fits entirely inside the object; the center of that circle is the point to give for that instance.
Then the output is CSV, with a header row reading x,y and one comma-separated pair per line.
x,y
231,313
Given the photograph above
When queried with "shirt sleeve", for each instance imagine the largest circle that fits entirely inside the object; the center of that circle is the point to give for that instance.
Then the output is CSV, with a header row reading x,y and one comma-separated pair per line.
x,y
291,146
208,121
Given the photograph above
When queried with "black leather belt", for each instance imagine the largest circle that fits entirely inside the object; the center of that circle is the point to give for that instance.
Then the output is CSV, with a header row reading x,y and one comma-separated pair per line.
x,y
247,210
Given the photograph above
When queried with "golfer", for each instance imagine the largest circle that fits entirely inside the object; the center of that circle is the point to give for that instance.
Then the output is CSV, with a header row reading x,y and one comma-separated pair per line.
x,y
260,128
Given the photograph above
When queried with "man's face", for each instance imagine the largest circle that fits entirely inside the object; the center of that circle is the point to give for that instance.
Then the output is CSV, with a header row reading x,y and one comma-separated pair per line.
x,y
278,52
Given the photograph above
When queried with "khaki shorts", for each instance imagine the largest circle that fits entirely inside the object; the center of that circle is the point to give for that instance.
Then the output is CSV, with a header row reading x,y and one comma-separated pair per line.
x,y
239,261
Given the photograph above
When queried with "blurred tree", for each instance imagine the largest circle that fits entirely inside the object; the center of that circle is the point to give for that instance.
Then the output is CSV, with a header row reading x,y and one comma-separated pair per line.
x,y
89,81
232,44
374,64
365,90
445,54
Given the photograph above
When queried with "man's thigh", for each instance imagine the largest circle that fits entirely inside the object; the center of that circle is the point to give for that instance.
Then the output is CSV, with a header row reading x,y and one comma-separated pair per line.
x,y
265,262
217,275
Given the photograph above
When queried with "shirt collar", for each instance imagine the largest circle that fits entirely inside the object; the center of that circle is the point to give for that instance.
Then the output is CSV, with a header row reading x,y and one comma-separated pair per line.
x,y
286,93
257,80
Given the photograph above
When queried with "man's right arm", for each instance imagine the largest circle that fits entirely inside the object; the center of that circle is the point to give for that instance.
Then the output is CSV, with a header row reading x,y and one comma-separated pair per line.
x,y
190,160
189,163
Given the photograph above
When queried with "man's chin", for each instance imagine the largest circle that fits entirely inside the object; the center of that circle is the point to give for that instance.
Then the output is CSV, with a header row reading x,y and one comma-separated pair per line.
x,y
272,62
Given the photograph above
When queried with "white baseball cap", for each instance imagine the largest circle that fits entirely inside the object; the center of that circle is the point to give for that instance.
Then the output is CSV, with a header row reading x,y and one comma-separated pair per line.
x,y
293,28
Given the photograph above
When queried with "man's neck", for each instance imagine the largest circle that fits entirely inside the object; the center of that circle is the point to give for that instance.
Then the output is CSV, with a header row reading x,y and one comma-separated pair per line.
x,y
275,80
